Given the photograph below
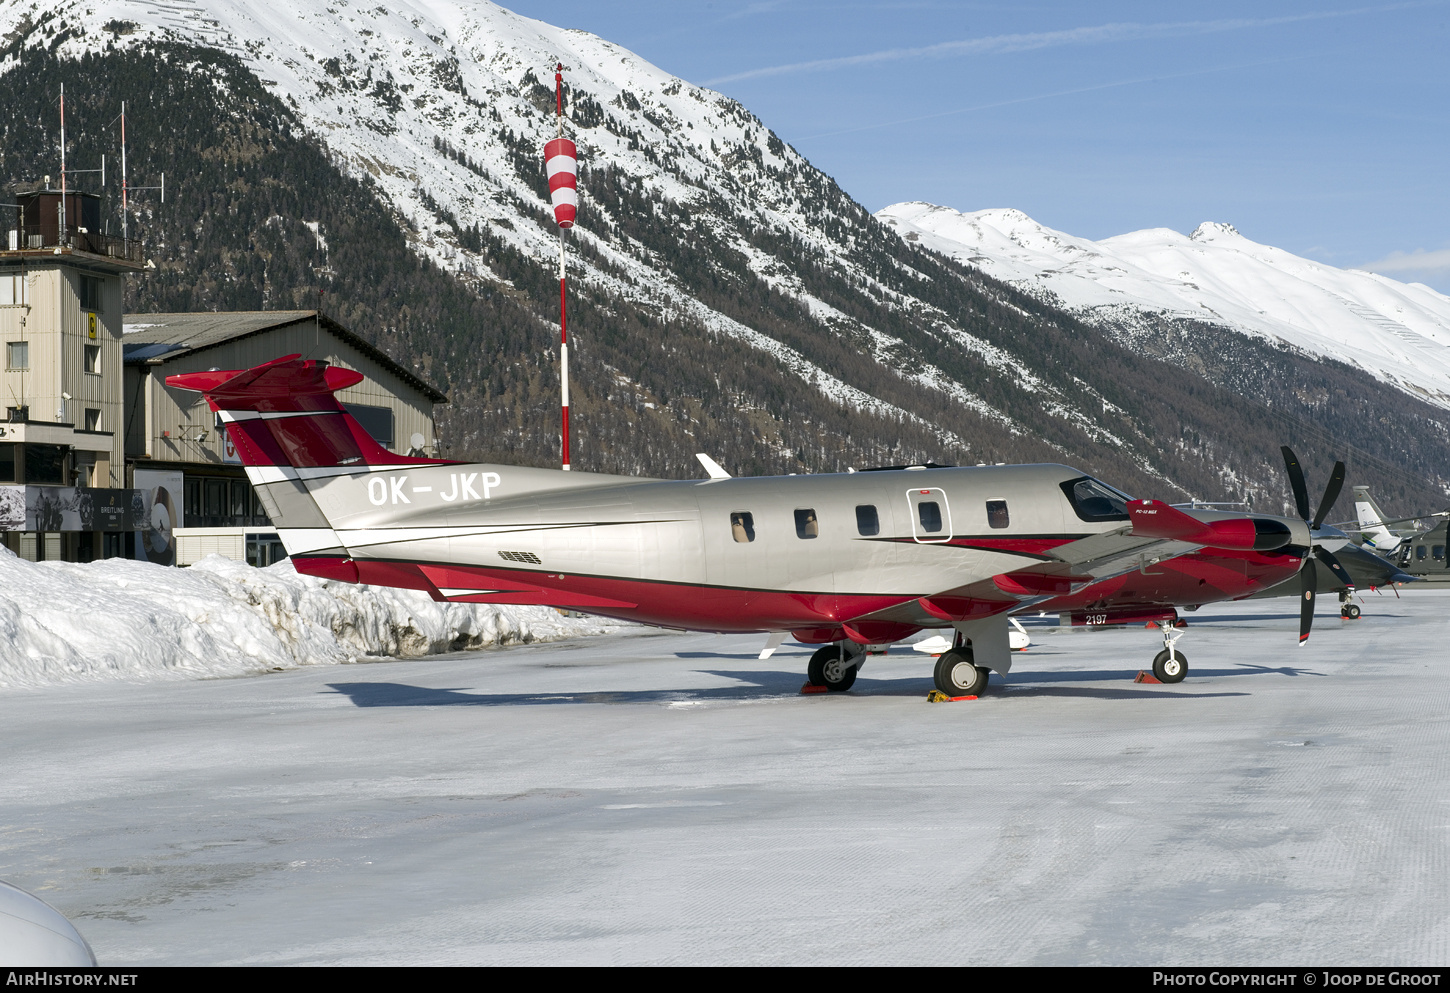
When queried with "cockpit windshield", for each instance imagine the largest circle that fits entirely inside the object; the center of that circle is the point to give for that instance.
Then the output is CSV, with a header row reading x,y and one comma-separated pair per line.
x,y
1096,501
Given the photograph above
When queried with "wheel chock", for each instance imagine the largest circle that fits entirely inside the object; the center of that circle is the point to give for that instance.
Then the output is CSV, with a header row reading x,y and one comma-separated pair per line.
x,y
813,688
937,696
1146,677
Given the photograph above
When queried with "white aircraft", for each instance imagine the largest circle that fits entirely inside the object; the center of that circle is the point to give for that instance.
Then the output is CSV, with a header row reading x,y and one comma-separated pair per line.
x,y
851,562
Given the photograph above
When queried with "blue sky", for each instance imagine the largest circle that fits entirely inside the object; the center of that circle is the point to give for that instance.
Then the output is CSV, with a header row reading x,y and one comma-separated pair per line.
x,y
1319,128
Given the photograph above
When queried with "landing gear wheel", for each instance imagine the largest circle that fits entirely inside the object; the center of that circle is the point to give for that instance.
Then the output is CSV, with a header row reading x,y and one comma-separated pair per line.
x,y
1170,668
956,675
826,669
1350,612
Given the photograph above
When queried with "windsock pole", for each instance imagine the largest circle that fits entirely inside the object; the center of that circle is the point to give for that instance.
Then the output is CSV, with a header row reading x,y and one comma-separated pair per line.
x,y
563,326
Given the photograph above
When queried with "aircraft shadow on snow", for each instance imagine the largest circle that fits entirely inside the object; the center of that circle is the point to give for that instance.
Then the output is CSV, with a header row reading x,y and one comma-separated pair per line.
x,y
759,684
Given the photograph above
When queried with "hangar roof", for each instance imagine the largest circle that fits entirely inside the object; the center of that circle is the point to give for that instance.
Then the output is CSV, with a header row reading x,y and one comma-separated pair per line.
x,y
162,337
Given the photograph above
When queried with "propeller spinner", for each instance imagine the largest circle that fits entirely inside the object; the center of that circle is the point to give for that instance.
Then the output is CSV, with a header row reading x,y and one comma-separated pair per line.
x,y
1320,535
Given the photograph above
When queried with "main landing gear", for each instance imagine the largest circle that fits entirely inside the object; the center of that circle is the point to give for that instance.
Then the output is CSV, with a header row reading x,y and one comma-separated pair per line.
x,y
956,675
1170,665
834,666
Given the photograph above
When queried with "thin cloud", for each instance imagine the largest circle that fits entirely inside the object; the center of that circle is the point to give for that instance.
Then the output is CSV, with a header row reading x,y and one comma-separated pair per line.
x,y
1056,93
1100,34
1416,261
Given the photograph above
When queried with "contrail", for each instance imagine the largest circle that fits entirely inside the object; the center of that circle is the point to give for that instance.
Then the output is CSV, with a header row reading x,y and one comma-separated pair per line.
x,y
1056,93
1054,39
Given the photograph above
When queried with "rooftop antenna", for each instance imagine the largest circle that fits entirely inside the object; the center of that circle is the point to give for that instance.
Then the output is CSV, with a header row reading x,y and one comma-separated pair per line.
x,y
62,164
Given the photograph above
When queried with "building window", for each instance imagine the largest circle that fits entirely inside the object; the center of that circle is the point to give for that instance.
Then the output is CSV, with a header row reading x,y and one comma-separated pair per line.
x,y
93,359
90,290
17,415
93,419
806,525
867,522
45,464
742,526
17,355
12,289
7,463
997,514
376,421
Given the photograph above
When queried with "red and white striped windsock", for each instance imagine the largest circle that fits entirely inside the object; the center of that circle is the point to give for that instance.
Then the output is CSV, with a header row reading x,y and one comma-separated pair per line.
x,y
561,162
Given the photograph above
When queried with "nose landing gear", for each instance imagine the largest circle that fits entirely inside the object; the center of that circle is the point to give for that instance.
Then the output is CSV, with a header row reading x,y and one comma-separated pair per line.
x,y
1170,665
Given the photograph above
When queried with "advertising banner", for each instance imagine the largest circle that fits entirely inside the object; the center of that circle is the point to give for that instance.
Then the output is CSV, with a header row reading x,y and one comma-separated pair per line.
x,y
161,515
70,508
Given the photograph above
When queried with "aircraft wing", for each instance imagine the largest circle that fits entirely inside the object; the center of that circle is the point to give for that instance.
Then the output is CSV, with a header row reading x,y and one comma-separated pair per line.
x,y
1071,567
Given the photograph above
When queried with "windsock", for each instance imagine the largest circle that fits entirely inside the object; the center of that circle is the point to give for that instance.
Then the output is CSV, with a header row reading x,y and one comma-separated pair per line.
x,y
561,162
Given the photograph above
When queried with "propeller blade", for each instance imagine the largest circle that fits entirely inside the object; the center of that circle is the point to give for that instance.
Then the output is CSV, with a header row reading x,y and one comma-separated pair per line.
x,y
1340,572
1296,480
1309,579
1331,493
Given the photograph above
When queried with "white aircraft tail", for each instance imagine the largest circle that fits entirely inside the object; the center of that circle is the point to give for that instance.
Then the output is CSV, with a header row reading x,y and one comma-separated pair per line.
x,y
1372,523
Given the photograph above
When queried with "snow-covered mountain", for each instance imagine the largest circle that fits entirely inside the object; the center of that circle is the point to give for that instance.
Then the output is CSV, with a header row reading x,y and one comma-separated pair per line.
x,y
728,295
1397,332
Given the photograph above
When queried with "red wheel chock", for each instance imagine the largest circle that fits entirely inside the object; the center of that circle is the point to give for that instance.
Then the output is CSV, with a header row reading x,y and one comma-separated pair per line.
x,y
813,688
1146,677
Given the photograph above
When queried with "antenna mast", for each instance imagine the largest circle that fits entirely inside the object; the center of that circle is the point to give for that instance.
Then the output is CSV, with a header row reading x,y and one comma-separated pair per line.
x,y
60,239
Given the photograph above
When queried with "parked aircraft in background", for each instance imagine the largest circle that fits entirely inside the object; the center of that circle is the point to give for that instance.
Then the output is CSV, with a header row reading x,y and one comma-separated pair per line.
x,y
1420,553
847,561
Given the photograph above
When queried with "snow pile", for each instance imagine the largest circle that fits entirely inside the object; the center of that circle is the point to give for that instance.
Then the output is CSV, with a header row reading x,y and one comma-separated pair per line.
x,y
65,622
1397,332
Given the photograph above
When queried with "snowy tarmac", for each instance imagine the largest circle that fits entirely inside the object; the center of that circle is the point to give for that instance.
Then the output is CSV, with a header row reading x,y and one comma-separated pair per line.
x,y
658,797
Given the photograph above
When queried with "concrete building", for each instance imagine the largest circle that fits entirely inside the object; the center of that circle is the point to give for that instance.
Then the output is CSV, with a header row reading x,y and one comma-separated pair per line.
x,y
98,457
60,324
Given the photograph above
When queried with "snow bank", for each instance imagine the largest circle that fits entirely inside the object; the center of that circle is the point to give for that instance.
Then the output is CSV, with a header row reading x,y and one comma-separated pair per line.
x,y
67,622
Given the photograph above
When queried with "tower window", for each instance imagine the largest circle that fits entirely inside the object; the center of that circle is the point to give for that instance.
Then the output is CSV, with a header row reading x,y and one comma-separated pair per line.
x,y
93,359
93,419
17,355
90,291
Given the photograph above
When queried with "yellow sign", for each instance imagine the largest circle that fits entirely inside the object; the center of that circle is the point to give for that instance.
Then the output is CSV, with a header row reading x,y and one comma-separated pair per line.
x,y
91,326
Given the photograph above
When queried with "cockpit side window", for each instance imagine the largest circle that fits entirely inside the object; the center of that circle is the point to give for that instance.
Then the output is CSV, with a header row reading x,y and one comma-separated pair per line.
x,y
1095,501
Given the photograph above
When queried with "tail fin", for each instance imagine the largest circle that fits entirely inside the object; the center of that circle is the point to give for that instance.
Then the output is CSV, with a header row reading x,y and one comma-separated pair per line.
x,y
1372,523
288,428
284,413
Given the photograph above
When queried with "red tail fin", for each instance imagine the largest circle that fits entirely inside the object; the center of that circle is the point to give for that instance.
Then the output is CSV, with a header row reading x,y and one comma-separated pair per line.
x,y
284,413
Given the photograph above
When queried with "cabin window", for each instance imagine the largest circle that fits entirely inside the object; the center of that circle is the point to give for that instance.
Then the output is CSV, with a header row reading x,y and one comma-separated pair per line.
x,y
742,526
806,525
997,514
1420,552
867,522
930,513
17,355
1438,551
